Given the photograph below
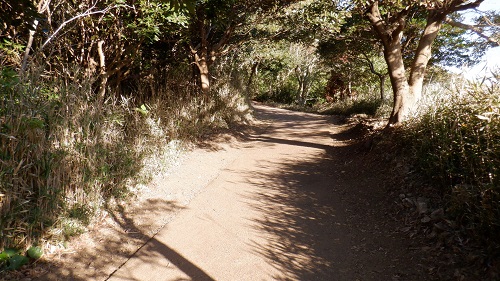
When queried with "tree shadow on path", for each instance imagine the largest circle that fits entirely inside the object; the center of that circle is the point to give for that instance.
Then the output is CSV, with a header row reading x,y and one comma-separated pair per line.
x,y
124,240
327,211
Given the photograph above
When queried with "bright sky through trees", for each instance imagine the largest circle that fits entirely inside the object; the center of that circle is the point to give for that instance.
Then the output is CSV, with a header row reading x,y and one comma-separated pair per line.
x,y
491,59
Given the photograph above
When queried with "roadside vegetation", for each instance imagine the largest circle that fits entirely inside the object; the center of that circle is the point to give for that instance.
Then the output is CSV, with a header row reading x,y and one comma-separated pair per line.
x,y
68,155
84,122
453,146
98,97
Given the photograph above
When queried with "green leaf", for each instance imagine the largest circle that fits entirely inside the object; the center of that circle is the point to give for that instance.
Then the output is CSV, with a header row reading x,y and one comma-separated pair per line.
x,y
17,261
3,256
35,252
9,252
143,110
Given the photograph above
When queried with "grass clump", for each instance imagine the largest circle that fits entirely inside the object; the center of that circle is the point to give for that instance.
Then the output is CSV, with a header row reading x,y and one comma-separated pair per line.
x,y
67,154
455,143
363,104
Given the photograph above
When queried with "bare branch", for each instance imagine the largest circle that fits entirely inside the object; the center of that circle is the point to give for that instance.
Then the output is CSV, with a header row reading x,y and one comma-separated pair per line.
x,y
370,64
43,5
456,5
88,12
472,28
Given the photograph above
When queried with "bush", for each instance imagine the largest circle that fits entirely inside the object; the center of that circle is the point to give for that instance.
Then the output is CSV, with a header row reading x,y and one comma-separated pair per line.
x,y
456,143
66,154
282,95
368,105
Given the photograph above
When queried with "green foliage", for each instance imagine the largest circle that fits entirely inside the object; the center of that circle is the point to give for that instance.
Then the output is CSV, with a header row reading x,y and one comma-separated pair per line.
x,y
306,21
65,155
455,144
365,104
9,53
16,261
280,68
12,259
35,252
284,95
158,19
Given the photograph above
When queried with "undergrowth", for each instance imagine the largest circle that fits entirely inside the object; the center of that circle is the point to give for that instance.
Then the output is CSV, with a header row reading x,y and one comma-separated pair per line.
x,y
364,103
66,154
455,144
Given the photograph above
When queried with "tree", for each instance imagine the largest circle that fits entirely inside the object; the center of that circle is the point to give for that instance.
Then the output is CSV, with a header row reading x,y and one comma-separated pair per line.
x,y
213,25
389,20
306,61
355,49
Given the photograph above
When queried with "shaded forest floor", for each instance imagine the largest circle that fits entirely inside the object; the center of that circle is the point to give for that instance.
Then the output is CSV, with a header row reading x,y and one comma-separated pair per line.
x,y
296,196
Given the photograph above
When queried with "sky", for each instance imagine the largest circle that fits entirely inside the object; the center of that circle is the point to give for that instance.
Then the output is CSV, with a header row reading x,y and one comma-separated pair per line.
x,y
491,59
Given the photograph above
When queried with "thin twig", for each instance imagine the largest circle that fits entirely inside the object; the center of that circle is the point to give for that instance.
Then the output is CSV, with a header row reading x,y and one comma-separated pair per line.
x,y
88,12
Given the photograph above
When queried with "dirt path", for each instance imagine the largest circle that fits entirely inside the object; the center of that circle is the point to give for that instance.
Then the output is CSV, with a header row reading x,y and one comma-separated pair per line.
x,y
295,201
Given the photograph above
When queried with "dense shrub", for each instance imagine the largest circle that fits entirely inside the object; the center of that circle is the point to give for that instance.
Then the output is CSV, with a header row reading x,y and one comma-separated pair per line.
x,y
456,144
283,95
66,155
364,104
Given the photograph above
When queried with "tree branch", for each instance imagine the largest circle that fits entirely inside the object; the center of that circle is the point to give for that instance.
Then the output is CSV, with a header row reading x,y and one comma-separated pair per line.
x,y
456,5
372,67
43,5
88,12
379,25
472,28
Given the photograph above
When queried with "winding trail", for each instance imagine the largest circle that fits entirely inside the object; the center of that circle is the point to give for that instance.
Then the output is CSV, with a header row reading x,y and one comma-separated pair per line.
x,y
294,201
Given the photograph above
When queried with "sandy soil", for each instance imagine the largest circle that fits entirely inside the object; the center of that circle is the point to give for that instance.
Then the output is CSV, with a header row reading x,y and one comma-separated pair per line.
x,y
295,199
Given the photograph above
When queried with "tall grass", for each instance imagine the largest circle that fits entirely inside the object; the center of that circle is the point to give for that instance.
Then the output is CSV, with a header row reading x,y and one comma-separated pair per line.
x,y
66,154
455,142
365,103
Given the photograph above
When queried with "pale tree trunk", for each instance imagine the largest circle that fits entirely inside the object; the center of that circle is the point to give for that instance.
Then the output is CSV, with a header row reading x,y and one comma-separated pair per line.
x,y
201,58
253,72
301,81
423,54
407,101
206,52
403,99
102,71
43,6
203,67
391,39
407,92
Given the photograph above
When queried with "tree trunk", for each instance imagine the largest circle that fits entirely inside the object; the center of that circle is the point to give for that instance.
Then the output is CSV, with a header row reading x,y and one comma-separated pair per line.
x,y
391,39
28,46
201,56
381,77
423,54
403,98
204,76
303,80
407,93
102,71
253,72
300,92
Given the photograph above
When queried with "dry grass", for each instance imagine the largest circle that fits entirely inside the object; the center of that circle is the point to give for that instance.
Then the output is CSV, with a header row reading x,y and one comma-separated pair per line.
x,y
454,143
66,155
